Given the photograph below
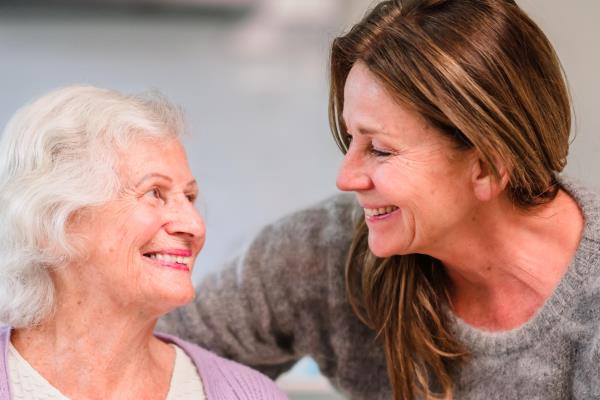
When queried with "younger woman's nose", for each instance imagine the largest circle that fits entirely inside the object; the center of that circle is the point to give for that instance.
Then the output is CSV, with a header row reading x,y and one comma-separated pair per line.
x,y
352,176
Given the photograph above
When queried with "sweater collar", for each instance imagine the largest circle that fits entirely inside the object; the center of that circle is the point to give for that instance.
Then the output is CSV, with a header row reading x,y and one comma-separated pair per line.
x,y
197,355
561,314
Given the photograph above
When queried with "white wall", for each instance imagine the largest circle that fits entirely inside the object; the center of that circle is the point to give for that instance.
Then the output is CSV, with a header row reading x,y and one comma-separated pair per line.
x,y
574,30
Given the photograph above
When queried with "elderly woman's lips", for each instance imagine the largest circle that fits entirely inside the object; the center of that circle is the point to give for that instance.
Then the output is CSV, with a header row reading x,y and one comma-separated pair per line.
x,y
171,259
173,252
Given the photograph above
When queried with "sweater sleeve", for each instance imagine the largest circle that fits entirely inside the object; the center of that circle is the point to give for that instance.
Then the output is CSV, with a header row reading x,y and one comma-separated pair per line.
x,y
271,305
594,363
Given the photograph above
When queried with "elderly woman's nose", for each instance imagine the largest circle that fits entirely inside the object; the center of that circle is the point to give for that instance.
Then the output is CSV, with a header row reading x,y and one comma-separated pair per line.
x,y
185,219
352,175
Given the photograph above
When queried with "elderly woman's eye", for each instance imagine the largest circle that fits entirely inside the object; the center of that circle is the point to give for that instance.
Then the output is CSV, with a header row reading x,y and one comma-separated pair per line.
x,y
191,197
154,193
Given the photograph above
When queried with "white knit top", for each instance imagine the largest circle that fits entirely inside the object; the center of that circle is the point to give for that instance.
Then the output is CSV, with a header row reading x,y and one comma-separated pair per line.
x,y
185,382
27,384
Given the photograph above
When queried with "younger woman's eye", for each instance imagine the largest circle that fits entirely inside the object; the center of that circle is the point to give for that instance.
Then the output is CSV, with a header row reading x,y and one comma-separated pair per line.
x,y
378,152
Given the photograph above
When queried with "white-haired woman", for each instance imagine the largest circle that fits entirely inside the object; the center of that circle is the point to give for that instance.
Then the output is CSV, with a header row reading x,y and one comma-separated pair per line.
x,y
98,238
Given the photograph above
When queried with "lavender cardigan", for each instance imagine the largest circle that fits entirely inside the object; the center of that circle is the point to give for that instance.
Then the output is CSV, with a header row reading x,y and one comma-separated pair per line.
x,y
222,379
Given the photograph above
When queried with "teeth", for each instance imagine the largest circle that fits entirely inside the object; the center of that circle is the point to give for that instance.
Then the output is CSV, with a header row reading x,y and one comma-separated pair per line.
x,y
372,212
171,258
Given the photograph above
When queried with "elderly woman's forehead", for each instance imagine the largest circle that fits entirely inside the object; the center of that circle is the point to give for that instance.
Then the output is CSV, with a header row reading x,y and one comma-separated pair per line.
x,y
149,155
146,144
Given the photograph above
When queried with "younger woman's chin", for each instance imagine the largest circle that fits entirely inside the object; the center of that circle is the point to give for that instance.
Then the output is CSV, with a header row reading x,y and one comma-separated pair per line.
x,y
383,247
381,251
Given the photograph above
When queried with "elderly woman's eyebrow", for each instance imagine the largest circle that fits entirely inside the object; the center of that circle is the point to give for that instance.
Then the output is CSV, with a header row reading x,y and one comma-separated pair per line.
x,y
153,175
190,185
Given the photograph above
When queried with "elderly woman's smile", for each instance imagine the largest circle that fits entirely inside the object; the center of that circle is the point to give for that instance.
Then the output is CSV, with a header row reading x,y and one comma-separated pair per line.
x,y
100,238
172,258
142,244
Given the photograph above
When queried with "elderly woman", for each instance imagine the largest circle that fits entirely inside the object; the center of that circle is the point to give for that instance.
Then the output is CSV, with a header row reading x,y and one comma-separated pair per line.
x,y
98,239
474,272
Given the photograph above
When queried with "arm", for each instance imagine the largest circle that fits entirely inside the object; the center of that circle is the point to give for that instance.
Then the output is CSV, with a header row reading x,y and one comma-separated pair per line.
x,y
270,306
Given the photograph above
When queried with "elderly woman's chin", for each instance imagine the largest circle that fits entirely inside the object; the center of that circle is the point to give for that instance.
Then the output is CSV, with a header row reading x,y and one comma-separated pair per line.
x,y
167,289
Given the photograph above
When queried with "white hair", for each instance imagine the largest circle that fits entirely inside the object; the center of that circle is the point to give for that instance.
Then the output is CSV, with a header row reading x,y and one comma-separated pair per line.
x,y
58,155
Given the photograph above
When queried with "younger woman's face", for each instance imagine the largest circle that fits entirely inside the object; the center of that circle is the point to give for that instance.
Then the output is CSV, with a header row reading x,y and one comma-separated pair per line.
x,y
412,182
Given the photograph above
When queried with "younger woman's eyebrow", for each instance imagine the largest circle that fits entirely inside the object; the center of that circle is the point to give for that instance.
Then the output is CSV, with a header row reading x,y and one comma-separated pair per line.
x,y
368,131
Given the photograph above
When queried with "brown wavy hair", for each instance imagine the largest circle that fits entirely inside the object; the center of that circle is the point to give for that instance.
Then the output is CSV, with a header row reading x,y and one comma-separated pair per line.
x,y
484,74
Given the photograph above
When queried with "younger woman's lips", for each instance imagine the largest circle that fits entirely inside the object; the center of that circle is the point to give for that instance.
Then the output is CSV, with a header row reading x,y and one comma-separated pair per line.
x,y
375,218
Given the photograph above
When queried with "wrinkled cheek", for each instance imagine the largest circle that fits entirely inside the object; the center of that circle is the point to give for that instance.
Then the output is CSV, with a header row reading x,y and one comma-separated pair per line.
x,y
409,225
145,230
146,221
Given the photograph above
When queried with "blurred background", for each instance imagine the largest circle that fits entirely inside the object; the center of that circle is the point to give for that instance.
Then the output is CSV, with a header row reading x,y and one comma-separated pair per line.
x,y
252,77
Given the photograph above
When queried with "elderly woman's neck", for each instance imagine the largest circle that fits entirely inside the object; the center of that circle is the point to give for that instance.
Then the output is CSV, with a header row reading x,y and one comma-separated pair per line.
x,y
85,350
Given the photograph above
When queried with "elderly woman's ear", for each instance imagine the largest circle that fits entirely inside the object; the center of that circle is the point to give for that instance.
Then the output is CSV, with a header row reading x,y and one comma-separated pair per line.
x,y
77,241
487,183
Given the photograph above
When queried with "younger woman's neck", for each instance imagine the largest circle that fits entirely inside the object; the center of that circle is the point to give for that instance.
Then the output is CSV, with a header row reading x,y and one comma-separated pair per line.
x,y
502,273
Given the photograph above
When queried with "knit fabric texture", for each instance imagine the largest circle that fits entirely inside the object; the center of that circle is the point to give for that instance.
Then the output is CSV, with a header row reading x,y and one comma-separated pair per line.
x,y
185,381
223,379
284,298
26,383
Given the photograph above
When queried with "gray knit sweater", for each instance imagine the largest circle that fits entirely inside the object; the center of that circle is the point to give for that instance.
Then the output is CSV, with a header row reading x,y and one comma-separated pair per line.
x,y
284,298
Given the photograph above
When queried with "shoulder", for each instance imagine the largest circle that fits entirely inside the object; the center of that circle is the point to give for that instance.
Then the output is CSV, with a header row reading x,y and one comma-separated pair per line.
x,y
4,340
226,379
587,259
586,380
589,201
307,245
584,292
5,331
339,207
328,223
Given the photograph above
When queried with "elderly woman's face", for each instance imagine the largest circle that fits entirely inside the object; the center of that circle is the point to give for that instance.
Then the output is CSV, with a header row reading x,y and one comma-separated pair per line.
x,y
413,184
142,245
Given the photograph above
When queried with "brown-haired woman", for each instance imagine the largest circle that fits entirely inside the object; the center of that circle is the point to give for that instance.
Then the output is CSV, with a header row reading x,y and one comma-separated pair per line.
x,y
475,267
